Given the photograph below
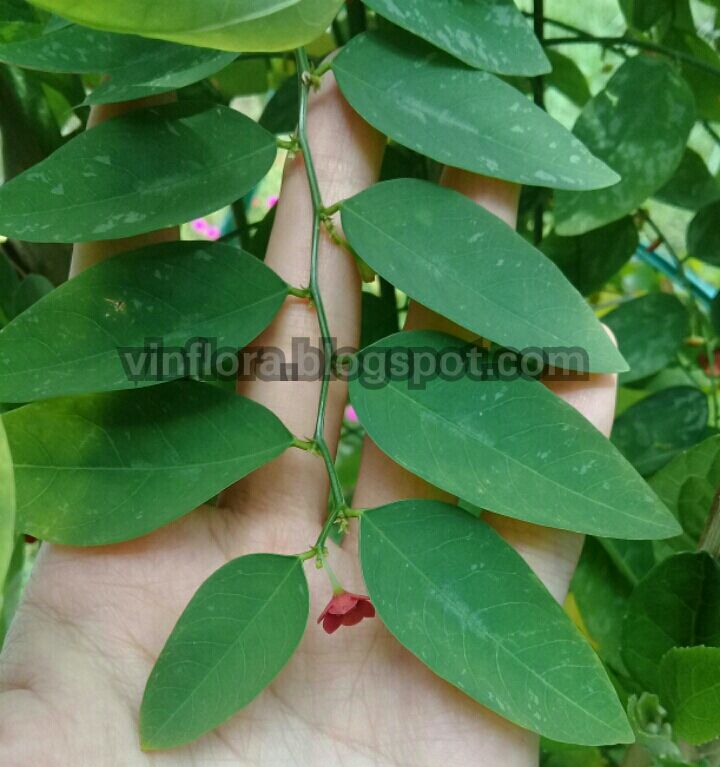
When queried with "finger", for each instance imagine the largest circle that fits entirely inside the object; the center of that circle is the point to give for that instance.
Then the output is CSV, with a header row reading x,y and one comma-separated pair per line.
x,y
86,254
347,154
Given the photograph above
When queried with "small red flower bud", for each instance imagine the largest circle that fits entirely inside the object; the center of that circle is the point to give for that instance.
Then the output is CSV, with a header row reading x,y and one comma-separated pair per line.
x,y
345,609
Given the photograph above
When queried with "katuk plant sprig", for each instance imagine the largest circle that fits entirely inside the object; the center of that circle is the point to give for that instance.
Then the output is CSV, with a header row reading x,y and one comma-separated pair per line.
x,y
339,509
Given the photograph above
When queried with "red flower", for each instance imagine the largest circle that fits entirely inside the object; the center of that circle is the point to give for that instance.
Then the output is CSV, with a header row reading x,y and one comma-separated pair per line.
x,y
345,609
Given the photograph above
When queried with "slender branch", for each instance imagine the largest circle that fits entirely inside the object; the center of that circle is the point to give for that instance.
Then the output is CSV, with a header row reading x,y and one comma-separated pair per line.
x,y
339,505
581,38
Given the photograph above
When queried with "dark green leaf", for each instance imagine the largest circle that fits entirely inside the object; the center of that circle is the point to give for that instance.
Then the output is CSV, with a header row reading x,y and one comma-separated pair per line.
x,y
692,186
491,35
99,323
633,559
243,25
28,292
453,256
7,508
9,281
591,259
687,486
180,66
466,604
111,467
703,236
435,105
281,113
509,446
690,683
704,84
601,594
568,78
644,91
655,430
234,637
676,605
138,173
649,331
136,66
379,318
643,14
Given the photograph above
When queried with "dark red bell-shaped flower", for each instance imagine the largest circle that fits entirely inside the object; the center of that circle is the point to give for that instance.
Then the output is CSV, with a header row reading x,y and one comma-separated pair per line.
x,y
345,609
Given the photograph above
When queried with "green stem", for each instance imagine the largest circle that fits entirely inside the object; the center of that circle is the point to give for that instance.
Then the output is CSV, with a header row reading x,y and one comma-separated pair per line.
x,y
623,41
339,505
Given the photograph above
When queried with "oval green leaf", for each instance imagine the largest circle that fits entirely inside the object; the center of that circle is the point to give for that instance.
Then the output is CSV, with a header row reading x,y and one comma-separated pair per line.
x,y
690,688
453,256
491,35
465,603
509,446
101,322
650,331
692,186
676,605
590,260
136,66
7,508
687,486
137,173
703,236
659,427
242,25
112,467
236,634
431,103
644,91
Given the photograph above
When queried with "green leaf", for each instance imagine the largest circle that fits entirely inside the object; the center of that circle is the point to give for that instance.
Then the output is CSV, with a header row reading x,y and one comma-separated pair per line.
x,y
179,66
281,112
453,256
692,186
704,84
687,486
112,467
565,755
568,78
9,281
491,35
690,683
30,291
650,331
590,260
633,559
243,25
676,605
100,322
435,105
644,91
655,430
236,634
643,14
465,603
379,318
601,594
509,446
138,173
7,509
703,235
137,67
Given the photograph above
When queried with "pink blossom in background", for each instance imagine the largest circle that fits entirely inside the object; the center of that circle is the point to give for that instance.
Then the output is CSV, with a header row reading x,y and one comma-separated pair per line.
x,y
201,226
351,415
272,200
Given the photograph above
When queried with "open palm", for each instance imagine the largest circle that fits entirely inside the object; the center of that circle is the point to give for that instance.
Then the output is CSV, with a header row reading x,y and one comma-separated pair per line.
x,y
93,621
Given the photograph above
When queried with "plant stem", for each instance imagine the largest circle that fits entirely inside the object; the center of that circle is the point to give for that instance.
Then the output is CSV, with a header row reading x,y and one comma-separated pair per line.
x,y
581,38
339,505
